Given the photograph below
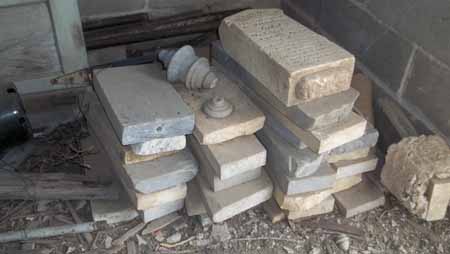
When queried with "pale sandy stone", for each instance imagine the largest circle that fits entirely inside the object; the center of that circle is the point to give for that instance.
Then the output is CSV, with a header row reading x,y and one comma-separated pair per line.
x,y
319,140
346,183
160,145
355,167
162,210
368,140
293,62
282,155
327,206
353,155
309,115
194,203
409,167
141,104
113,211
225,204
361,198
273,211
246,118
438,199
145,177
157,198
234,157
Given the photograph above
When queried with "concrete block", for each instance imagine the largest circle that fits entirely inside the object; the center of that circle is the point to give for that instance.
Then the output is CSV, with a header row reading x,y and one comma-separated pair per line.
x,y
283,156
353,155
363,197
293,62
427,90
438,199
225,204
323,178
319,140
355,167
273,211
157,198
309,115
160,211
246,118
233,157
160,145
368,140
194,203
141,104
327,206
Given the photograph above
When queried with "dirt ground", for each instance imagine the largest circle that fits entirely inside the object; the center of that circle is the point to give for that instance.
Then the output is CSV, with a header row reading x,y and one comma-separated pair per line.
x,y
390,229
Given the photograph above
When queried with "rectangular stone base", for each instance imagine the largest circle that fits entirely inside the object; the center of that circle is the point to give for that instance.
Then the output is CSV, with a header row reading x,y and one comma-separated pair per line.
x,y
157,198
359,199
113,211
225,204
327,206
160,145
353,155
160,211
355,167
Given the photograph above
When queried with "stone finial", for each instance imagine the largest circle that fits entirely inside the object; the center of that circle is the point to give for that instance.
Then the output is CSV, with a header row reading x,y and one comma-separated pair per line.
x,y
183,65
218,107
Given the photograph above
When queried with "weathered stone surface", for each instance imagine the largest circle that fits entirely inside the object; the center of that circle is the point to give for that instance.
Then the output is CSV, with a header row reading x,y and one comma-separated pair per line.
x,y
359,199
141,104
323,178
273,211
326,206
309,115
157,198
368,140
113,211
293,62
194,203
160,211
145,177
346,183
438,199
319,140
217,184
224,204
283,156
233,157
353,155
409,167
246,118
355,167
160,145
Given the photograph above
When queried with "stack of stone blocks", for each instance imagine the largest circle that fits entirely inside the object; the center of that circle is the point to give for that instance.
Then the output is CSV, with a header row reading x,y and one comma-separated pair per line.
x,y
142,122
231,159
317,148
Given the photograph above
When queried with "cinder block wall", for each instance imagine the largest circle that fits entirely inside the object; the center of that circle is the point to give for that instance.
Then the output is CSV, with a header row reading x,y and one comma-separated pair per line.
x,y
91,9
404,45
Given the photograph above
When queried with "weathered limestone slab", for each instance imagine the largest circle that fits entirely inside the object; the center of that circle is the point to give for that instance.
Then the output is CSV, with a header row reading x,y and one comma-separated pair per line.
x,y
232,158
145,177
359,199
346,183
309,115
217,184
194,203
411,165
368,140
293,62
160,145
323,178
157,198
141,104
246,118
319,140
129,157
327,206
438,199
225,204
113,211
294,162
355,167
160,211
353,155
273,211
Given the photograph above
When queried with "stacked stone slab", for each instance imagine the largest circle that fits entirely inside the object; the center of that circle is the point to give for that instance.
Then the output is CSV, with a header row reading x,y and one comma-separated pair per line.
x,y
142,123
301,81
231,159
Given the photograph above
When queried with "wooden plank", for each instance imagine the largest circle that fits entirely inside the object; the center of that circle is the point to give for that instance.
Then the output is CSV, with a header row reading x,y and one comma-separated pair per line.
x,y
69,34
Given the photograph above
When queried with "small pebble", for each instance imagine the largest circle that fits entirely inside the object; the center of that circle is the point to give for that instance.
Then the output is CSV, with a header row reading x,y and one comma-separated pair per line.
x,y
174,238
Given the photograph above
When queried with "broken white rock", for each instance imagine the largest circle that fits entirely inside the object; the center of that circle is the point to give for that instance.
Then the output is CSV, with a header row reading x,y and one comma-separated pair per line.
x,y
160,145
293,62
